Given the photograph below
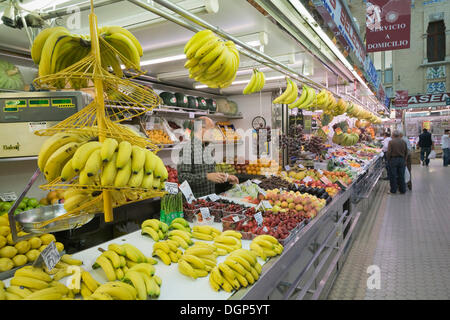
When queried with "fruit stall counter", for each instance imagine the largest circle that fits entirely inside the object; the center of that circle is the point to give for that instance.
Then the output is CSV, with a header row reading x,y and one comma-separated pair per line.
x,y
175,285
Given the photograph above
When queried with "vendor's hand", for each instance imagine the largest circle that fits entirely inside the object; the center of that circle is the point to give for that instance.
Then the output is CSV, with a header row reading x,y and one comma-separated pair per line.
x,y
216,177
233,179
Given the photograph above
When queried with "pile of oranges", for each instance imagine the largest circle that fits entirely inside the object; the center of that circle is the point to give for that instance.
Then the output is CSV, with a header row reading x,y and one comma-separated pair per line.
x,y
159,136
53,197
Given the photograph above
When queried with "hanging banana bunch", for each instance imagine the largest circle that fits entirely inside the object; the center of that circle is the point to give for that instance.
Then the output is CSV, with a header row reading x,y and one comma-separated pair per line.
x,y
256,83
55,49
289,95
211,60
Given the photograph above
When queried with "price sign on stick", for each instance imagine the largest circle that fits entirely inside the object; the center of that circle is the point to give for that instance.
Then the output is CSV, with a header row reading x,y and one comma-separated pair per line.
x,y
171,187
205,213
213,197
259,218
235,218
8,196
49,256
187,191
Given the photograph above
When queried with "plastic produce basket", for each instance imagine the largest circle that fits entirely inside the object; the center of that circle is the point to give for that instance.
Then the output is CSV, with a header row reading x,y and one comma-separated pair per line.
x,y
230,222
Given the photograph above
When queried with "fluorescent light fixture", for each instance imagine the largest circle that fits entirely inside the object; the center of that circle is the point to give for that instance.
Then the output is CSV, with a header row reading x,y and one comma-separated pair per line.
x,y
38,4
309,18
162,60
202,86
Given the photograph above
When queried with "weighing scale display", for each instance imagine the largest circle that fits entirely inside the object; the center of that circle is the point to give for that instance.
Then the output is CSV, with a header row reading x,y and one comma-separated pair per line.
x,y
16,103
35,103
63,103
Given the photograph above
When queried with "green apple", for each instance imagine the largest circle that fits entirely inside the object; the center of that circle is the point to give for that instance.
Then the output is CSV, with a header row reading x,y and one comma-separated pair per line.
x,y
22,205
18,211
7,206
33,202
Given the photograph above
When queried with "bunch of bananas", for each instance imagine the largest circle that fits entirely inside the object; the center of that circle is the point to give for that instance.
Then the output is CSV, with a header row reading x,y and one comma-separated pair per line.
x,y
111,290
356,111
240,269
55,49
142,277
345,139
289,95
198,260
305,100
180,224
210,60
16,254
32,283
117,260
256,83
266,246
228,240
182,237
205,232
167,251
155,228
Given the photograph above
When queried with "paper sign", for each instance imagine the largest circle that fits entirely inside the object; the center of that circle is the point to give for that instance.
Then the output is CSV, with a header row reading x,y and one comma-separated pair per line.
x,y
236,218
320,171
213,197
301,166
259,218
205,213
287,168
325,180
191,115
247,183
256,181
261,190
265,229
171,187
307,179
187,191
50,256
8,196
266,204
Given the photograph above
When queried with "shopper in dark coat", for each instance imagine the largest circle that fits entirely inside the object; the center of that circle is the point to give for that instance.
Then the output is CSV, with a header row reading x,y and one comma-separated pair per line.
x,y
425,144
396,155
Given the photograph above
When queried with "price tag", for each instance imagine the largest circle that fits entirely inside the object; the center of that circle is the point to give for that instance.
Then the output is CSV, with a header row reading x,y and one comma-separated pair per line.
x,y
262,191
171,187
247,183
8,196
342,184
235,218
307,179
191,115
259,218
320,171
301,166
325,180
187,191
205,213
50,256
265,229
287,168
266,204
296,186
256,181
213,197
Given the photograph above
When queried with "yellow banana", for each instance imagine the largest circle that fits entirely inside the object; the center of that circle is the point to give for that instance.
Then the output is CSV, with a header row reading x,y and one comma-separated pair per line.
x,y
285,94
123,154
93,163
89,281
82,154
186,269
66,258
123,175
109,147
113,257
137,279
109,172
165,258
58,159
138,159
151,232
195,261
136,179
27,282
107,267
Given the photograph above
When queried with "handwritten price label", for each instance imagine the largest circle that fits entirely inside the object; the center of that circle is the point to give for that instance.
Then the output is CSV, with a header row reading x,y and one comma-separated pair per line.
x,y
205,213
259,218
171,187
187,191
213,197
50,256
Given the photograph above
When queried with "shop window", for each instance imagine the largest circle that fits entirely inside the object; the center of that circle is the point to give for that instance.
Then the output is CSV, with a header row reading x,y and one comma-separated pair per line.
x,y
436,41
377,60
388,74
389,92
388,60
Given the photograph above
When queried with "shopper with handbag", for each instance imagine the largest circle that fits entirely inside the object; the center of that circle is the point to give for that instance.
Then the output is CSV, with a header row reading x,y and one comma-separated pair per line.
x,y
408,160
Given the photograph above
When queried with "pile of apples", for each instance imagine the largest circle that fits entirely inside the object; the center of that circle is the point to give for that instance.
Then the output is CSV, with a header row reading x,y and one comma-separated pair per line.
x,y
290,201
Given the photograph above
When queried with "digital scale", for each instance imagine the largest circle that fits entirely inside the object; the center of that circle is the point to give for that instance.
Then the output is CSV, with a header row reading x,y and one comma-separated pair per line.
x,y
22,113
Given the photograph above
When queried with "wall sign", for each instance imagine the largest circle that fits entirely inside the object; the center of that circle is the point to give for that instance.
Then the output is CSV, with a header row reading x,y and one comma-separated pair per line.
x,y
388,25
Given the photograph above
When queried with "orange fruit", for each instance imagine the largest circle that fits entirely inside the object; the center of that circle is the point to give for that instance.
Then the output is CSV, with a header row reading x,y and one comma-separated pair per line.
x,y
52,195
44,202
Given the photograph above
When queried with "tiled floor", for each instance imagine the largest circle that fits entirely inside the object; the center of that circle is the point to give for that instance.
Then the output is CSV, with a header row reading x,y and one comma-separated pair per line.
x,y
408,238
